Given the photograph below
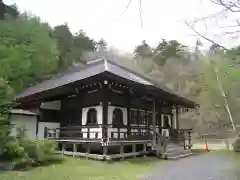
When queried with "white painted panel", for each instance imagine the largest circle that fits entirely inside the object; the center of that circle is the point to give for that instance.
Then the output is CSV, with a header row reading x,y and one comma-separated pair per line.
x,y
27,122
84,116
115,135
134,130
99,114
110,114
42,125
93,132
56,105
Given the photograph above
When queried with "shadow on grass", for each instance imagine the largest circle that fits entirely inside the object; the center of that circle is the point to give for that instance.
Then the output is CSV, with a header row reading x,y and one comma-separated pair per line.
x,y
140,160
47,161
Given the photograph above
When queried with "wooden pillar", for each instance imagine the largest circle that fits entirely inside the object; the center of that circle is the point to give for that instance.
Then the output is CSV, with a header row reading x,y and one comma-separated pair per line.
x,y
160,117
128,114
138,121
104,110
177,120
154,122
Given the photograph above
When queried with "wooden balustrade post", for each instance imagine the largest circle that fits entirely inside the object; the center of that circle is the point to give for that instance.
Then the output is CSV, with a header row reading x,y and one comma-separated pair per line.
x,y
122,149
164,142
88,151
63,148
88,133
144,149
74,149
134,149
118,129
105,149
55,133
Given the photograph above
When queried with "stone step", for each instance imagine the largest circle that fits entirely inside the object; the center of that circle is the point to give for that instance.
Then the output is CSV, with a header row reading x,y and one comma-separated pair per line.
x,y
177,154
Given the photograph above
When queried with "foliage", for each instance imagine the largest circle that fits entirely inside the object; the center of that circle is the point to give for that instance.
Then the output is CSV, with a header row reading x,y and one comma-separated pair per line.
x,y
6,95
165,50
211,98
143,50
26,50
71,46
168,49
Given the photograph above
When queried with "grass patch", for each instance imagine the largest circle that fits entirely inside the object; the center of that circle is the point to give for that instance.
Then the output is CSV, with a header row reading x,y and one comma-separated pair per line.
x,y
81,169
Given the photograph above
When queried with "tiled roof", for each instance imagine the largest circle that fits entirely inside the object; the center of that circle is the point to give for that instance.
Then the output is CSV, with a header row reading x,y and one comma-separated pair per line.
x,y
92,68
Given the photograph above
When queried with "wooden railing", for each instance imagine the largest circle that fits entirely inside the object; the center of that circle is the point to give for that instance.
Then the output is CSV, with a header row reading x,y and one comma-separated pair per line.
x,y
96,132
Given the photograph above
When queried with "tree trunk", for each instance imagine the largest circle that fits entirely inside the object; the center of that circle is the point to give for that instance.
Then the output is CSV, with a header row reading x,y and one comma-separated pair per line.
x,y
225,100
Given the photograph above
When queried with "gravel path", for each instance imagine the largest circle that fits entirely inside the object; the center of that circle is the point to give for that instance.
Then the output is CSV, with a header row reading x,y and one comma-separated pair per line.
x,y
198,167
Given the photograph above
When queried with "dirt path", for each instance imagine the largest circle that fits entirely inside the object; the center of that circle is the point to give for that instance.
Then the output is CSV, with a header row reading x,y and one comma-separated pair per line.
x,y
198,167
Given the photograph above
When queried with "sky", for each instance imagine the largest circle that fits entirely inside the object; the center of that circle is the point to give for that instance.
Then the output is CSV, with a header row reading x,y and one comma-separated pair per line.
x,y
105,19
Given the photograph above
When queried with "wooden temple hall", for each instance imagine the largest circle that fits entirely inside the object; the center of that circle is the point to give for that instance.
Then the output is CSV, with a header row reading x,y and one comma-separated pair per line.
x,y
106,111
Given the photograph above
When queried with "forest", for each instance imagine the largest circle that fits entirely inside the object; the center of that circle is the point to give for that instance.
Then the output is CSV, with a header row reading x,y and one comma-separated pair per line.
x,y
32,51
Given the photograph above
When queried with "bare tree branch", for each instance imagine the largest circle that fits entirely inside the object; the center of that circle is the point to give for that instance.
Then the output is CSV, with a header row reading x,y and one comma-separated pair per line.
x,y
140,12
126,8
211,16
204,37
231,6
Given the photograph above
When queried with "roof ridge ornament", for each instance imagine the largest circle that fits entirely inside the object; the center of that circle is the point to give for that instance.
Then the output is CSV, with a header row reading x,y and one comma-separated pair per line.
x,y
105,65
95,60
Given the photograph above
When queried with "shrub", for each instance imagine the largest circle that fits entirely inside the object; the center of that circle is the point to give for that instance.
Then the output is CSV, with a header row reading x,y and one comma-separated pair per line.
x,y
20,149
13,150
236,145
39,151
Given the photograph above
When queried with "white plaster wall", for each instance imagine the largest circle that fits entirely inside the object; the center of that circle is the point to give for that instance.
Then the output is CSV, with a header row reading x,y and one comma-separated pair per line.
x,y
99,114
56,105
110,114
28,122
42,125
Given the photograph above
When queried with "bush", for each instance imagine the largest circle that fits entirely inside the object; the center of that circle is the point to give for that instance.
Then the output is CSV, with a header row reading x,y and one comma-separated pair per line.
x,y
13,150
236,145
20,150
39,151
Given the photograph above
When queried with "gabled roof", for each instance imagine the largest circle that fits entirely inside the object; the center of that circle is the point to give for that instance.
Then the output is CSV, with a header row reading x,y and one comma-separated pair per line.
x,y
95,67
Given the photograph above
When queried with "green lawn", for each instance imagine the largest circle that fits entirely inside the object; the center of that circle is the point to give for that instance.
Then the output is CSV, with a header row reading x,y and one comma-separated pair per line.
x,y
81,169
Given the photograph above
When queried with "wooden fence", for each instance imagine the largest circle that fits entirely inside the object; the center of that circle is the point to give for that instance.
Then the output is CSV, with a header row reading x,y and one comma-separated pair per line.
x,y
214,144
